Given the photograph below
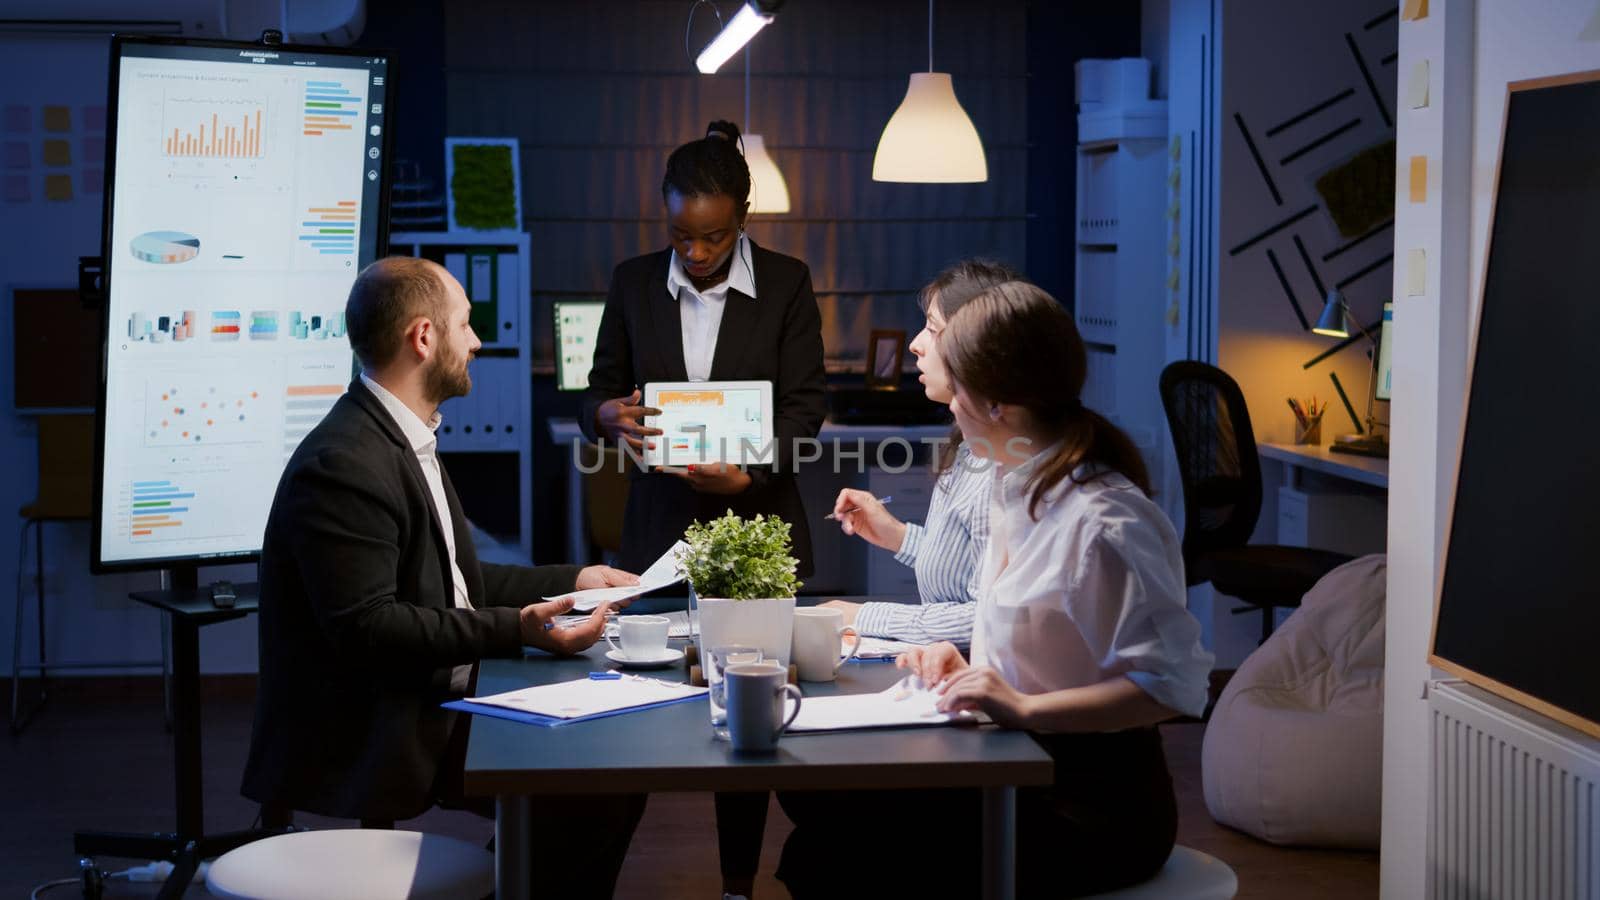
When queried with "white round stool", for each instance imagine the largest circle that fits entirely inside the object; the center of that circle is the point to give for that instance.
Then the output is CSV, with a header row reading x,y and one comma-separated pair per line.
x,y
1188,875
354,862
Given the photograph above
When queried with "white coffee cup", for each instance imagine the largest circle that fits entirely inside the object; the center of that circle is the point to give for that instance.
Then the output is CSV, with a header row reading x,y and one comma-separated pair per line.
x,y
818,641
643,637
755,693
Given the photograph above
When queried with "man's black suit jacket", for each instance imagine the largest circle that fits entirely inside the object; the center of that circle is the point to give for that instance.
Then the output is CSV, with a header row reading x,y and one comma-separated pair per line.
x,y
358,626
775,336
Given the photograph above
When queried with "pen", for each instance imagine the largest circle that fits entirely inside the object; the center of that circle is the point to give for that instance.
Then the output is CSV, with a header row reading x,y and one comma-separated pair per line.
x,y
1299,416
834,517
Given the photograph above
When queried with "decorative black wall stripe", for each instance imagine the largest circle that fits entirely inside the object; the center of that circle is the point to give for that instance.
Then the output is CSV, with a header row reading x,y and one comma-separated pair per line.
x,y
1194,220
1319,142
1379,19
1364,270
1288,291
1389,60
1269,232
1371,329
1300,245
1357,241
1345,94
1255,154
1354,420
1372,86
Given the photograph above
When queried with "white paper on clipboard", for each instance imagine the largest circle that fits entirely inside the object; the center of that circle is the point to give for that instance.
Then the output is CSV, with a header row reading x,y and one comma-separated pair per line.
x,y
709,421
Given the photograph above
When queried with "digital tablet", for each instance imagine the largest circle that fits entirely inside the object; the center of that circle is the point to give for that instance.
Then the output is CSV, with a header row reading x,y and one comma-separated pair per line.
x,y
709,421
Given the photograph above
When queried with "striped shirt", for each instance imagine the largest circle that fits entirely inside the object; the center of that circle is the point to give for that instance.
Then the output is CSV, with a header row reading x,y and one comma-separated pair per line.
x,y
946,553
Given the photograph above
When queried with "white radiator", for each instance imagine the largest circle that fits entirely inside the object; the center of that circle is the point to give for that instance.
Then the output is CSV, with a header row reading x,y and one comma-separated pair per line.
x,y
1516,802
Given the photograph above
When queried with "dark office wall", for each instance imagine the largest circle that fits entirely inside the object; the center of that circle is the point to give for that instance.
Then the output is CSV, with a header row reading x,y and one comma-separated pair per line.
x,y
598,101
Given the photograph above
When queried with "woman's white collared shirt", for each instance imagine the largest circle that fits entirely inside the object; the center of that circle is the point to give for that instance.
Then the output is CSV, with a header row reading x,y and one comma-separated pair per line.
x,y
700,312
1092,590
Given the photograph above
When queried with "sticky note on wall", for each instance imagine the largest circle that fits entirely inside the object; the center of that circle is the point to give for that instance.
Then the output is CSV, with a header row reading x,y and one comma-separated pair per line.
x,y
1416,273
1414,10
57,118
58,187
57,153
1417,86
1419,179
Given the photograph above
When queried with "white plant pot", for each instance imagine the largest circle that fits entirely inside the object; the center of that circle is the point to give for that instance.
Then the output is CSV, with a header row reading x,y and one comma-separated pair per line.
x,y
768,624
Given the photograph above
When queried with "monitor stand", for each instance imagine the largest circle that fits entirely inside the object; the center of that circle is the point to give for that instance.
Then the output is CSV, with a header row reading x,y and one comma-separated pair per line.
x,y
189,607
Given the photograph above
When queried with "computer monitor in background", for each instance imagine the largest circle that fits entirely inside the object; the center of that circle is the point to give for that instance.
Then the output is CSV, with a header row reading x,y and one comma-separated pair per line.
x,y
245,188
1381,378
577,328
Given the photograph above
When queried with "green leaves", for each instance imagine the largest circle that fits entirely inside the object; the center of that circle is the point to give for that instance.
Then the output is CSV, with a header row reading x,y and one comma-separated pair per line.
x,y
740,559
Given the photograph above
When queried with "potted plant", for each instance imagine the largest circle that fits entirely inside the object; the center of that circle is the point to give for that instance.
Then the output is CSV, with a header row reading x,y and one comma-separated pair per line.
x,y
741,581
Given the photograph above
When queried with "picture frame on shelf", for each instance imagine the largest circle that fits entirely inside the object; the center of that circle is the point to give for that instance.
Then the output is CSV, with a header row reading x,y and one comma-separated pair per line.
x,y
483,182
885,354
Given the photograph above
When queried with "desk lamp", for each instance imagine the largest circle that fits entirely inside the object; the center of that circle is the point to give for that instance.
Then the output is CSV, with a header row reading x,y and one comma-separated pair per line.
x,y
1334,322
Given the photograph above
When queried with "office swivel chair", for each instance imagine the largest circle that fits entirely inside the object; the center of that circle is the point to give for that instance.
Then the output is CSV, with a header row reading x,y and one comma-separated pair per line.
x,y
1221,473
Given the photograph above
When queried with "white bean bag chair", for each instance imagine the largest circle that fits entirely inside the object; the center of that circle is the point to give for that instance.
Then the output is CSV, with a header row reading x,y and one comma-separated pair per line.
x,y
1293,753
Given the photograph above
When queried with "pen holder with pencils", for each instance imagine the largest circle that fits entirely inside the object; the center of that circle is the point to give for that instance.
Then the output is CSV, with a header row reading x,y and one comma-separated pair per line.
x,y
1307,420
1308,431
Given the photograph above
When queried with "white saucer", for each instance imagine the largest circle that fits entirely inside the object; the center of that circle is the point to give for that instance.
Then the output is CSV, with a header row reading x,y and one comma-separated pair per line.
x,y
667,658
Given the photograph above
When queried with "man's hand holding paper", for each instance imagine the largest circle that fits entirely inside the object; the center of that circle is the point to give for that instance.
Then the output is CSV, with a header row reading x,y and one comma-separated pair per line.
x,y
613,586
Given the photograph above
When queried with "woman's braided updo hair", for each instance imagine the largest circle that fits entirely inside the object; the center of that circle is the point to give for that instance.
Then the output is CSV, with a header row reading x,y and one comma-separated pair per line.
x,y
713,164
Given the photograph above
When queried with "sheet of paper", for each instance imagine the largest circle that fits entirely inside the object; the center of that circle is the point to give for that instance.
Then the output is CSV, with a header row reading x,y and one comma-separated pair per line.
x,y
898,706
1416,273
1417,86
587,697
1419,179
663,572
677,624
878,648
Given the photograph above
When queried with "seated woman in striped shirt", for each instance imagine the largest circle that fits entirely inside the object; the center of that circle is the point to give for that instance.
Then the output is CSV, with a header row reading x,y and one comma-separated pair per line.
x,y
1081,638
946,549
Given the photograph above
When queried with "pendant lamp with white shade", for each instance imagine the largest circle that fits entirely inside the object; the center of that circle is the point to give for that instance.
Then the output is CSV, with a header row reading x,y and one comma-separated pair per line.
x,y
930,139
769,192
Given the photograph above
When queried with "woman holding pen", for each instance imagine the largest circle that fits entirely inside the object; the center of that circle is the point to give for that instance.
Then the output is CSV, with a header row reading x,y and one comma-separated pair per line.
x,y
945,550
1081,634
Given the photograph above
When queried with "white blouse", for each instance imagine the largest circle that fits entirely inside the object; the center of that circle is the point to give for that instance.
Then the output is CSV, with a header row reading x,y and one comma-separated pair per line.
x,y
1092,590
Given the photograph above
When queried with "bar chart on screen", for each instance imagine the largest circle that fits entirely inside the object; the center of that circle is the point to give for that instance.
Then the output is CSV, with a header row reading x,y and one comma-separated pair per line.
x,y
234,130
332,108
304,405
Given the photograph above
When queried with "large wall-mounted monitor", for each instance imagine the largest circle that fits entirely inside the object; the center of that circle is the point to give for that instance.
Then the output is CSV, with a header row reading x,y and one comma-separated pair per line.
x,y
245,190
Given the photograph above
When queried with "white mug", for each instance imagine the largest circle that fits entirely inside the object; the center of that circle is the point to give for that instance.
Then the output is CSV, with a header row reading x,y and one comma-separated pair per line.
x,y
818,639
643,637
755,693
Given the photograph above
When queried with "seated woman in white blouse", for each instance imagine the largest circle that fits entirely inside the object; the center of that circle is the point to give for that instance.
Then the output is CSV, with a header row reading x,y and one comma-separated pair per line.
x,y
944,551
1081,635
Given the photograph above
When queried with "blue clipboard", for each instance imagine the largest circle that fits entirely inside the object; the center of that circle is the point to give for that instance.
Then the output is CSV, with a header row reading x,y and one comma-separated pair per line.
x,y
500,712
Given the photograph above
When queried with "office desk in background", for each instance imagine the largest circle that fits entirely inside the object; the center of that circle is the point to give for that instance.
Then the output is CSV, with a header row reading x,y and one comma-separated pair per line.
x,y
1334,501
671,749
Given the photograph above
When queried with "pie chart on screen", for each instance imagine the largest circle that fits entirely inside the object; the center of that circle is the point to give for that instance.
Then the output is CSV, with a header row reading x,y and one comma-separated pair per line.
x,y
163,247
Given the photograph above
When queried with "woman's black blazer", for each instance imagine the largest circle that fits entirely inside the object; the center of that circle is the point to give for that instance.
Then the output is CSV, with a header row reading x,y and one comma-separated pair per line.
x,y
775,336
